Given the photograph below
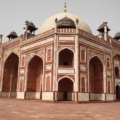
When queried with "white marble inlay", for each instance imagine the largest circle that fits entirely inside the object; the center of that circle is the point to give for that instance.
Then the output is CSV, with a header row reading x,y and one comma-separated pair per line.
x,y
66,38
67,71
22,71
49,67
82,67
108,73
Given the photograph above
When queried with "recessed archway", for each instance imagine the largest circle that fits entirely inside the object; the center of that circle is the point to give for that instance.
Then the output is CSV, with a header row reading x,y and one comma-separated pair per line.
x,y
116,72
66,58
95,78
117,92
65,89
35,71
34,77
10,76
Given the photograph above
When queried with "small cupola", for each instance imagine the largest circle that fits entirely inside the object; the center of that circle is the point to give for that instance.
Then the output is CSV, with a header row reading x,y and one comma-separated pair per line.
x,y
101,28
31,27
12,35
117,36
103,31
66,23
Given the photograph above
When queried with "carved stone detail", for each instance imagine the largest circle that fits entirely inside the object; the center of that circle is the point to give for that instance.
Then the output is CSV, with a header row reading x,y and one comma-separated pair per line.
x,y
94,53
40,52
62,47
7,53
114,51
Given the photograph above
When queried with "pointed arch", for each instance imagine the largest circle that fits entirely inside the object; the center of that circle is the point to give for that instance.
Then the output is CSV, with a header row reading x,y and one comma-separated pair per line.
x,y
66,58
116,55
10,74
10,55
26,76
66,77
33,56
98,58
96,84
65,88
116,72
65,48
34,74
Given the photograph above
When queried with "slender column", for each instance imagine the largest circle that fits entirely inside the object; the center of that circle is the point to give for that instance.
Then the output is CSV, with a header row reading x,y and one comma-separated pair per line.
x,y
55,60
1,38
76,59
26,29
1,63
105,31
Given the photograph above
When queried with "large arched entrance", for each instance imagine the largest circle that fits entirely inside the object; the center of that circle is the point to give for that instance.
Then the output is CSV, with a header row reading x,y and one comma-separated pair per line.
x,y
117,92
10,76
116,66
65,89
66,58
34,78
95,79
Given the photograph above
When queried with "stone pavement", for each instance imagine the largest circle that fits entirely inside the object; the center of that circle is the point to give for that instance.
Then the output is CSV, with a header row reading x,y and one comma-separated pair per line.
x,y
12,109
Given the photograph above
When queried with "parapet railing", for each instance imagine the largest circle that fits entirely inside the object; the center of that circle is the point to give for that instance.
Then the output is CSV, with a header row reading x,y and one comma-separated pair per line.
x,y
66,30
11,41
39,36
95,38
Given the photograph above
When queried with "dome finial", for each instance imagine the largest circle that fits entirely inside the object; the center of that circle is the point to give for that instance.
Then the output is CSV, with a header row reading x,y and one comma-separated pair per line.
x,y
65,10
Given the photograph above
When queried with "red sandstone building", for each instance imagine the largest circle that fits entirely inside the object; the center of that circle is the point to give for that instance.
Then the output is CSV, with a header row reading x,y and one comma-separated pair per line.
x,y
65,61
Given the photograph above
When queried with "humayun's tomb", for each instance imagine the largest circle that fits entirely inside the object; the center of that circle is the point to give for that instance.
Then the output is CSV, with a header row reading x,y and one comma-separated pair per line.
x,y
64,61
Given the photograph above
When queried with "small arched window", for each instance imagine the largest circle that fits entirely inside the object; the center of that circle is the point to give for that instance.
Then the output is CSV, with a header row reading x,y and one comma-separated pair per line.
x,y
108,86
66,58
108,64
49,55
48,83
116,72
83,84
83,55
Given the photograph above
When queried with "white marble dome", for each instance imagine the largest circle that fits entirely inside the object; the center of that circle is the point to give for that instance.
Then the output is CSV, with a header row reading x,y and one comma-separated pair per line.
x,y
50,22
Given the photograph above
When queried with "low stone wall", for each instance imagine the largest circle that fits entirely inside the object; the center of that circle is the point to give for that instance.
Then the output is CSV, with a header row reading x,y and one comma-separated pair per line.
x,y
47,96
20,95
97,97
5,94
32,95
83,97
109,97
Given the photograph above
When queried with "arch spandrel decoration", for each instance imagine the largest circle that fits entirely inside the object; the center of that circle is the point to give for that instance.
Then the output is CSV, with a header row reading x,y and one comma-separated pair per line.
x,y
62,76
93,54
9,52
115,52
66,77
6,55
72,48
40,53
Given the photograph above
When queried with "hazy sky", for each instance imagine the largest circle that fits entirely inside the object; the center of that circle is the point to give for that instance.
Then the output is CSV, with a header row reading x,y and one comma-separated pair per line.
x,y
13,13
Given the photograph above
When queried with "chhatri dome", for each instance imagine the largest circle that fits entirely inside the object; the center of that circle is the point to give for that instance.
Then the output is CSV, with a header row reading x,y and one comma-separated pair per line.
x,y
50,22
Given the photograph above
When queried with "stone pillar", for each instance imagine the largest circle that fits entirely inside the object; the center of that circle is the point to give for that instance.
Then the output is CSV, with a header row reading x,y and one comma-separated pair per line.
x,y
1,38
56,20
76,59
55,88
26,29
26,25
1,64
105,31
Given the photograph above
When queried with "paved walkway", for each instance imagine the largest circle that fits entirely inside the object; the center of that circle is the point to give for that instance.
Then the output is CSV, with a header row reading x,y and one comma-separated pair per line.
x,y
11,109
